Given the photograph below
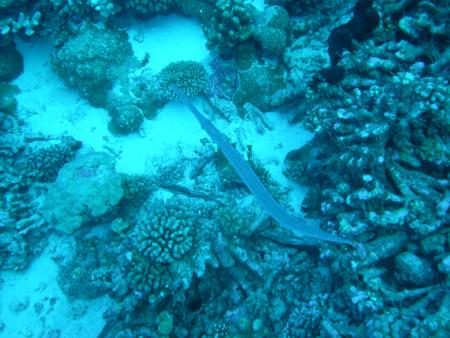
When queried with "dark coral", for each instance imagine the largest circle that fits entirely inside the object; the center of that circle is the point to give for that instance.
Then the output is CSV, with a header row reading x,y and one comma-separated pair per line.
x,y
125,119
365,19
11,62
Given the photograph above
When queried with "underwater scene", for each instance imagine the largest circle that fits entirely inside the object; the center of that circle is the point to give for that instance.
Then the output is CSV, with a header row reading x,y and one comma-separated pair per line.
x,y
229,168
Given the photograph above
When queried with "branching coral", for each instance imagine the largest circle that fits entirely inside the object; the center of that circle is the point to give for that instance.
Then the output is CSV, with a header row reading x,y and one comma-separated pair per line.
x,y
189,76
166,235
164,232
17,17
375,167
148,277
43,164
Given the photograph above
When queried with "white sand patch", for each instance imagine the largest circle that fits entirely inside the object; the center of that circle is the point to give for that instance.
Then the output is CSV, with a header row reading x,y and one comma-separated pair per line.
x,y
53,109
259,4
173,133
168,39
33,305
49,106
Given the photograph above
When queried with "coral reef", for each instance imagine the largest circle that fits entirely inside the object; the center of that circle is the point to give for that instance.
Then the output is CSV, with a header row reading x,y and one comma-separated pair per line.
x,y
136,96
93,266
62,19
150,7
14,251
186,251
91,61
8,107
373,161
300,7
137,188
169,245
377,171
105,8
273,41
148,278
23,228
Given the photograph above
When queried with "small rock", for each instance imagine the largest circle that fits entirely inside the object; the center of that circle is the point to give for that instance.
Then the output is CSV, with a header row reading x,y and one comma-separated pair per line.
x,y
413,270
444,265
19,305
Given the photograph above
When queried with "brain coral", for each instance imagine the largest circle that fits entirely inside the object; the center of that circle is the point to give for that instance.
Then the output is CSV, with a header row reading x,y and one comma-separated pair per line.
x,y
189,76
90,61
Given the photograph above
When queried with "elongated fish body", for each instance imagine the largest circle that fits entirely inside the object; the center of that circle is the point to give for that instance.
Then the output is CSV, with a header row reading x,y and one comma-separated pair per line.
x,y
254,184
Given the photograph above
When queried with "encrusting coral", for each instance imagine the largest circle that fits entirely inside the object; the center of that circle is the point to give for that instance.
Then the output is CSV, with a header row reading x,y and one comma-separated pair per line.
x,y
90,61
